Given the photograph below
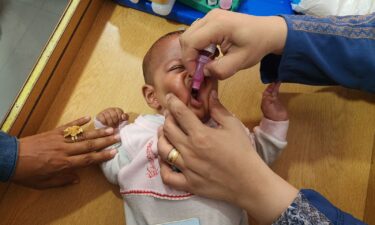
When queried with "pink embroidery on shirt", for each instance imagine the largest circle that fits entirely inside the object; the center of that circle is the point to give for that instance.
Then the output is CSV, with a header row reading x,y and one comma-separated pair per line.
x,y
152,171
157,195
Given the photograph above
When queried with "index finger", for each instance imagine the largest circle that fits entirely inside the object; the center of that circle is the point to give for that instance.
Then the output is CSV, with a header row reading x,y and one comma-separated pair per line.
x,y
190,46
79,122
185,118
92,145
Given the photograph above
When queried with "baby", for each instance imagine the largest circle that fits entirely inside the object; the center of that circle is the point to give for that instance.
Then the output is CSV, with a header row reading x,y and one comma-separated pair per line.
x,y
135,168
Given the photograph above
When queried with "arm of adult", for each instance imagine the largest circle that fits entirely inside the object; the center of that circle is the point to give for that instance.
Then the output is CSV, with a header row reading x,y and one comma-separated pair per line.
x,y
326,51
217,165
220,163
48,159
292,48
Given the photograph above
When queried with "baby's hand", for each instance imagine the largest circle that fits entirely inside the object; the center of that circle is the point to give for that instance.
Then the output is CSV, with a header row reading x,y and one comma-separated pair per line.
x,y
272,107
112,117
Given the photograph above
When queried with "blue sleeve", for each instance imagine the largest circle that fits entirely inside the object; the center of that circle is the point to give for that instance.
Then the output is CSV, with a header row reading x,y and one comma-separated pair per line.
x,y
335,215
326,51
8,156
309,207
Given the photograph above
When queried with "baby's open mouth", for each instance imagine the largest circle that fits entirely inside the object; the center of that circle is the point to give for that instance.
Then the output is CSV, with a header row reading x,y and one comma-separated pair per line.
x,y
196,102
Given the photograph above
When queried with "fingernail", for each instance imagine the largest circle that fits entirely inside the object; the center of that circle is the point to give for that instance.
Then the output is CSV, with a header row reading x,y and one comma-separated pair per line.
x,y
87,117
214,94
113,152
109,130
123,116
117,137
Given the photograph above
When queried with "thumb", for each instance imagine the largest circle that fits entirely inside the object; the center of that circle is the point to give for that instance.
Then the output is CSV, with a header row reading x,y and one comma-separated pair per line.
x,y
217,111
225,66
61,180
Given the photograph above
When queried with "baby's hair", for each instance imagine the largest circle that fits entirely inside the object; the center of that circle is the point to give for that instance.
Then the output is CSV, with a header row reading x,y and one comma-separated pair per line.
x,y
148,58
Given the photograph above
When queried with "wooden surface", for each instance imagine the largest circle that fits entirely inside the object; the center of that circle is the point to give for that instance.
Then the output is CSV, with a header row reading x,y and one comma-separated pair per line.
x,y
370,203
331,134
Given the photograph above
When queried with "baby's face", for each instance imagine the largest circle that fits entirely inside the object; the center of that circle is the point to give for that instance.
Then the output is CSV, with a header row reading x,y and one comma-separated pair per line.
x,y
170,76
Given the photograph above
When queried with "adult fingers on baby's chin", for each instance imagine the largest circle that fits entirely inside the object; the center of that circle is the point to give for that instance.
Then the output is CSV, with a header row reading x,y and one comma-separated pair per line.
x,y
173,133
171,178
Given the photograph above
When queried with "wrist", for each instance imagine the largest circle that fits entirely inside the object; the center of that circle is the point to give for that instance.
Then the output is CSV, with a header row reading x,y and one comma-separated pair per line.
x,y
265,195
278,31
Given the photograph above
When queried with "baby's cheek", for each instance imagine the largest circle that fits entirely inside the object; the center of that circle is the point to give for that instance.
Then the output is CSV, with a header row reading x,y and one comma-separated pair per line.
x,y
182,92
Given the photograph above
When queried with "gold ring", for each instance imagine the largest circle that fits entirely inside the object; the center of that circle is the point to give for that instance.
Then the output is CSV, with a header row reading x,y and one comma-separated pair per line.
x,y
172,156
73,132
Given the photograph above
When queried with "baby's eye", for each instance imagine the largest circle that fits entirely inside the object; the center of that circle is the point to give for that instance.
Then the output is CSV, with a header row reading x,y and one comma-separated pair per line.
x,y
178,68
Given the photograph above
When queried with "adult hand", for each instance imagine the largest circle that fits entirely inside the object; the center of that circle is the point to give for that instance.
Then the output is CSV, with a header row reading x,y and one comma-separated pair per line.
x,y
49,160
220,163
243,39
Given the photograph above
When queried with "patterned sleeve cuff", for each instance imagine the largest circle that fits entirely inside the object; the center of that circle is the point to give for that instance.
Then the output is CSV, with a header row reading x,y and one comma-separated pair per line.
x,y
302,212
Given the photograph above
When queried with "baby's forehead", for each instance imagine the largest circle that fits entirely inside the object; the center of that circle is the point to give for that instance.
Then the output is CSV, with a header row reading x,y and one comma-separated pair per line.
x,y
166,50
167,44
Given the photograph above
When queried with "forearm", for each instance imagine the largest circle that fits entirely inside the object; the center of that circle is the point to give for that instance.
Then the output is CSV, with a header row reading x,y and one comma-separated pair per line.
x,y
8,156
325,51
265,195
277,34
269,199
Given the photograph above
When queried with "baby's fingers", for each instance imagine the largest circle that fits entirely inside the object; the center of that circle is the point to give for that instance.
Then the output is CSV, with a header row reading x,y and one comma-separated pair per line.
x,y
101,118
276,88
121,115
110,120
269,90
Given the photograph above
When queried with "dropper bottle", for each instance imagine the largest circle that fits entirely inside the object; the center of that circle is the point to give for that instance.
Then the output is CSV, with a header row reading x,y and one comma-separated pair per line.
x,y
205,56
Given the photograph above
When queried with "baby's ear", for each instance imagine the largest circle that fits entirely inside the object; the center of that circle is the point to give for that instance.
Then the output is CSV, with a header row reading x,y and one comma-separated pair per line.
x,y
150,96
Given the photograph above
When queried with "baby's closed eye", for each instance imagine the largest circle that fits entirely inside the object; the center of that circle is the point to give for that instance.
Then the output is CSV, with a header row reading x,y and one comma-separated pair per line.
x,y
177,68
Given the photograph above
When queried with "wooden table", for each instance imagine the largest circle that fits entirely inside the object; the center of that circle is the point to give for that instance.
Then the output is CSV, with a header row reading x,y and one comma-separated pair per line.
x,y
331,135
